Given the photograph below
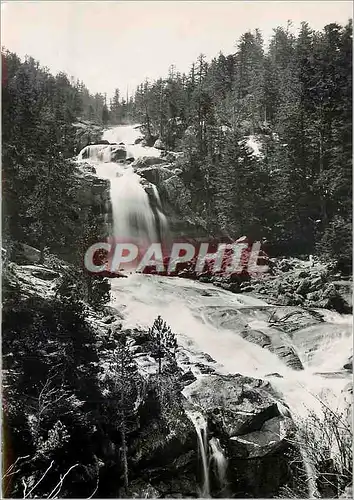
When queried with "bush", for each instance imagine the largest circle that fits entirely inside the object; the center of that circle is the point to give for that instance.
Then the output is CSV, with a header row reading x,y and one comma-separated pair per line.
x,y
326,444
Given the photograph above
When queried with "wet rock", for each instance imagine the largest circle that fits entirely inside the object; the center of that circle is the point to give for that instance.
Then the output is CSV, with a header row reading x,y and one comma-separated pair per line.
x,y
179,486
188,378
208,358
277,342
289,355
256,337
101,141
158,144
272,437
316,284
118,153
42,272
204,368
147,161
234,404
349,364
149,140
304,287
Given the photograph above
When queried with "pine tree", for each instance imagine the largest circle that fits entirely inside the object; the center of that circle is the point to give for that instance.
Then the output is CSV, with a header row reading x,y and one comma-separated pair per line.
x,y
163,341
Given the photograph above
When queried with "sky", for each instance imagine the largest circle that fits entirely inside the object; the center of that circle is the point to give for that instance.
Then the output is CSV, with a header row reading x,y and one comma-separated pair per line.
x,y
121,43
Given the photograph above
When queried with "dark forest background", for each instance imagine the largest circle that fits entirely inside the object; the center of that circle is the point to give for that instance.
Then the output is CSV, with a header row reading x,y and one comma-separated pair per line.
x,y
294,99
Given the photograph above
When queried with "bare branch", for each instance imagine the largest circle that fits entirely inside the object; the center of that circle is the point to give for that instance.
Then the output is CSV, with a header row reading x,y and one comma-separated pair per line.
x,y
58,487
41,479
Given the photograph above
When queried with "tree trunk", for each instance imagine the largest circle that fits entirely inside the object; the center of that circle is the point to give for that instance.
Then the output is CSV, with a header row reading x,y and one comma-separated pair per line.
x,y
125,459
123,432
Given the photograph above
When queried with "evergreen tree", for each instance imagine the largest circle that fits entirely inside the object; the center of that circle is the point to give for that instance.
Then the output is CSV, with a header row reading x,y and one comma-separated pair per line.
x,y
163,341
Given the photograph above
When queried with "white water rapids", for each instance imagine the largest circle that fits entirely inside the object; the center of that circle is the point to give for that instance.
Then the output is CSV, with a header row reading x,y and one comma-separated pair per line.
x,y
133,218
199,313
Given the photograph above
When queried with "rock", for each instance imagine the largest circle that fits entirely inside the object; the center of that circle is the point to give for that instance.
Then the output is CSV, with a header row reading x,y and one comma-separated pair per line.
x,y
25,254
155,174
256,337
88,168
118,153
158,144
149,140
244,415
277,342
272,437
42,273
147,161
349,364
101,141
313,296
208,358
188,377
304,287
138,140
316,284
234,404
303,274
204,368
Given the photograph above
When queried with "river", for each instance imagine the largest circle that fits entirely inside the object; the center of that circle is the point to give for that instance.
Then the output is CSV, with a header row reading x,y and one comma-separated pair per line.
x,y
209,320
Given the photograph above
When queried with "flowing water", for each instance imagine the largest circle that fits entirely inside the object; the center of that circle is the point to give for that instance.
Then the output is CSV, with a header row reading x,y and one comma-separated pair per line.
x,y
133,217
218,457
201,428
209,320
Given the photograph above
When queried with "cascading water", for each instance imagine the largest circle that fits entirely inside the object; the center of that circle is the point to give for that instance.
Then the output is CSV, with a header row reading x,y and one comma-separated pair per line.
x,y
203,324
133,217
201,428
196,313
218,460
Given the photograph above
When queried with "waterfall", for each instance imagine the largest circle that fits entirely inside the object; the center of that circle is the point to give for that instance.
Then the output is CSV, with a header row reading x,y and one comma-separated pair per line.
x,y
218,457
201,428
134,219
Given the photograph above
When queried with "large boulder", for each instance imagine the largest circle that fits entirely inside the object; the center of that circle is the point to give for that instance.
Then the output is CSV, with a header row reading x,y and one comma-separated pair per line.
x,y
118,153
156,174
272,437
244,414
147,161
234,404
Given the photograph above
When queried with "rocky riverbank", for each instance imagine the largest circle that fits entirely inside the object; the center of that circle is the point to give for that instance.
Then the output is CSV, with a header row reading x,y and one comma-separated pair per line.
x,y
296,282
